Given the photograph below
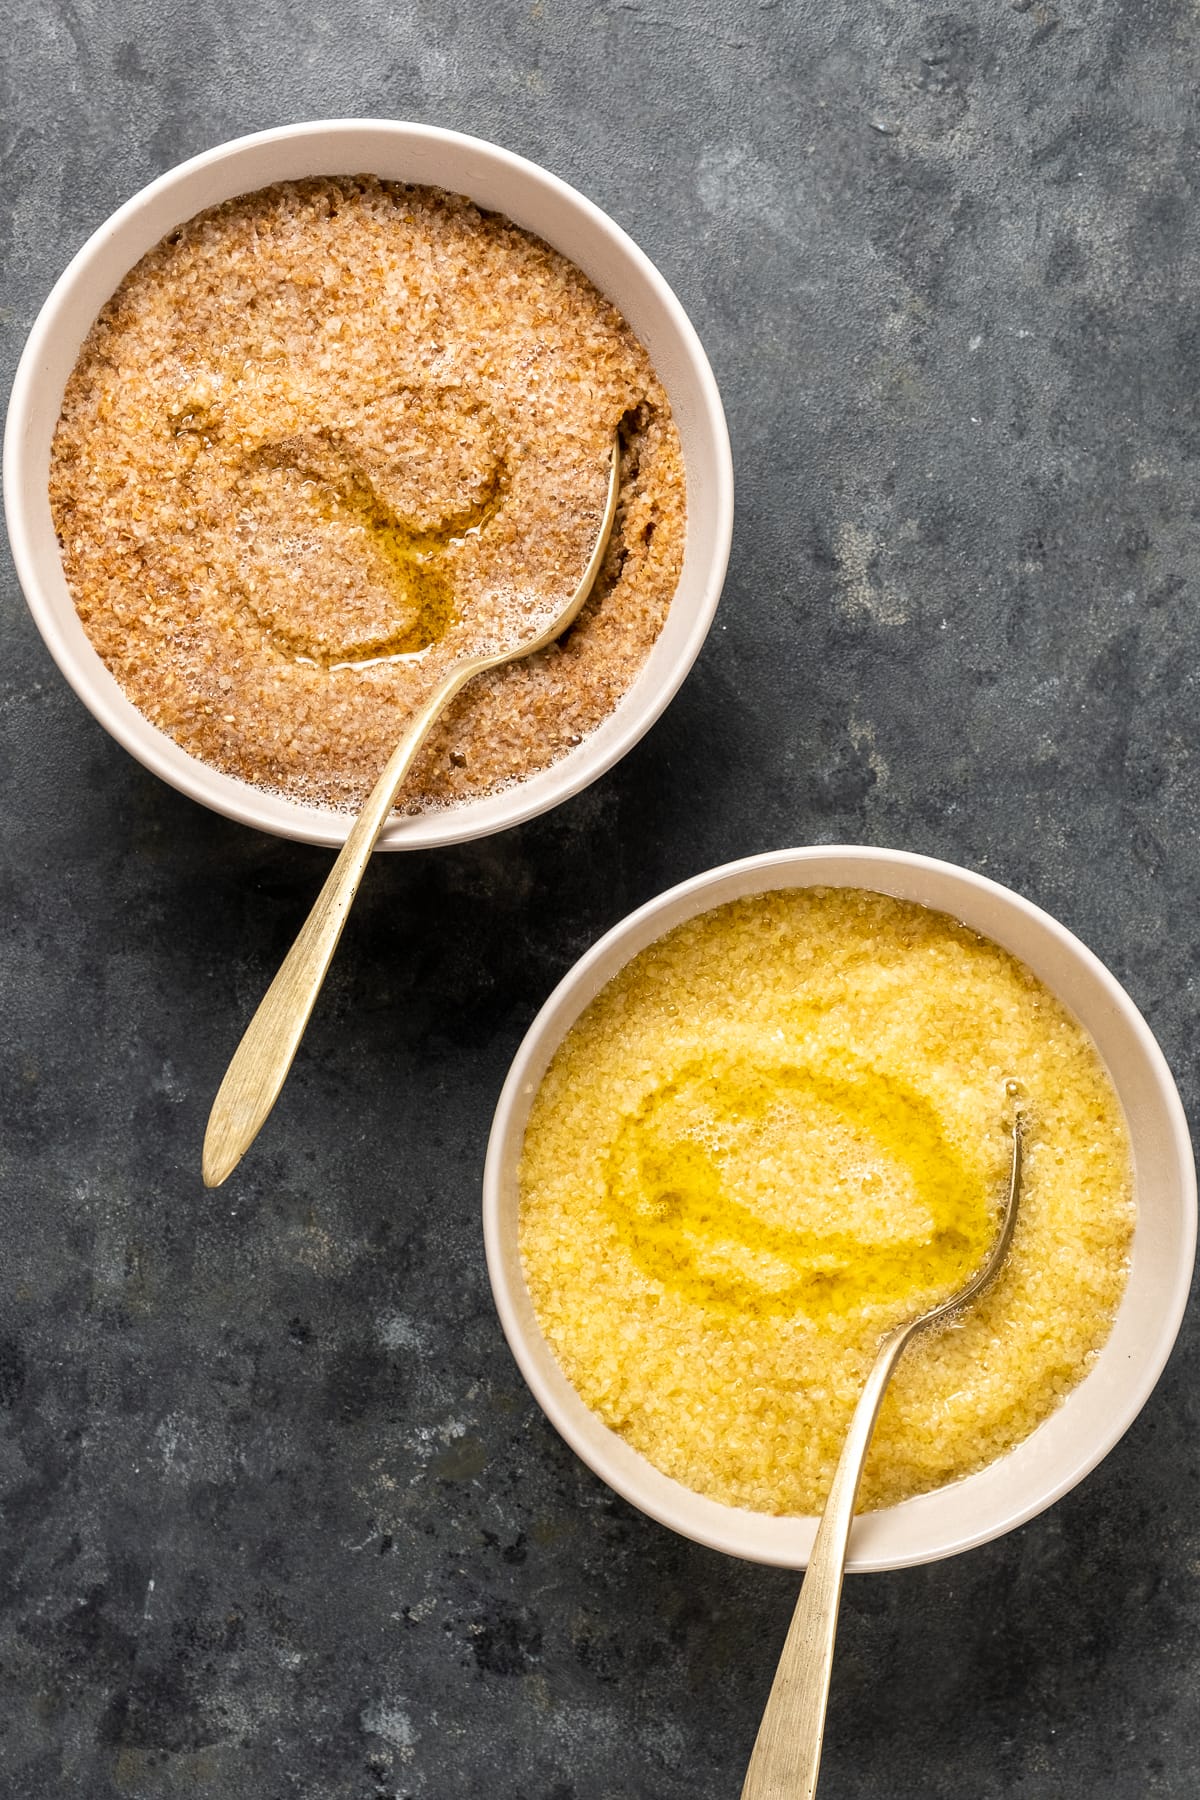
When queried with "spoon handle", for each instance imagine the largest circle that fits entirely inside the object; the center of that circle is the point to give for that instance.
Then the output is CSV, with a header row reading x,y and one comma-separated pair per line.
x,y
787,1750
261,1061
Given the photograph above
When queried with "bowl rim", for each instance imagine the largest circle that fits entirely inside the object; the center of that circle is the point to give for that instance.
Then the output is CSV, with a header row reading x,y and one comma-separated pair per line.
x,y
242,801
731,1529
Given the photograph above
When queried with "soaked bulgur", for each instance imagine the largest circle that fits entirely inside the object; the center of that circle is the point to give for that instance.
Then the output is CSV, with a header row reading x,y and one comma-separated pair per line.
x,y
776,1133
327,438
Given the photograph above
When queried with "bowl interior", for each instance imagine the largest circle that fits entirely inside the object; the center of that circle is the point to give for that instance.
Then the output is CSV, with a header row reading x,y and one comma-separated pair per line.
x,y
1094,1415
497,181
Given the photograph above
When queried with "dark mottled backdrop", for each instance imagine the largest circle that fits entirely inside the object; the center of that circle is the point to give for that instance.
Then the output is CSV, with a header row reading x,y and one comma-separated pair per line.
x,y
281,1518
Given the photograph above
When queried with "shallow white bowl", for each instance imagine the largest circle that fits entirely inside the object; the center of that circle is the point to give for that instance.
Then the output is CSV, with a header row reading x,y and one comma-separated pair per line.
x,y
1093,1417
499,182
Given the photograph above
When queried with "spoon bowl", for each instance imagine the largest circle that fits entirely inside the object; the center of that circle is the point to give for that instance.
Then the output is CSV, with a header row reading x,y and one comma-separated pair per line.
x,y
497,181
1093,1416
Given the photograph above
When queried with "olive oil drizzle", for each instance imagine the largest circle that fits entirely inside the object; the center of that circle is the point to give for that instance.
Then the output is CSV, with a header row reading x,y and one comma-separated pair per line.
x,y
670,1197
414,559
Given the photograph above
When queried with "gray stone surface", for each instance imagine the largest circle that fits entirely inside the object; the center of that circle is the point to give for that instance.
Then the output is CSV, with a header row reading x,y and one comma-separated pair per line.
x,y
281,1517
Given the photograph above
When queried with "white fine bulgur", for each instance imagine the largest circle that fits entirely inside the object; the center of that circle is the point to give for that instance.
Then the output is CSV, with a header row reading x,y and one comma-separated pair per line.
x,y
779,1131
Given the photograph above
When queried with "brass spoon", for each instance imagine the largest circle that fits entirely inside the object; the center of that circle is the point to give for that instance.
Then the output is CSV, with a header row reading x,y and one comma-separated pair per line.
x,y
787,1750
261,1061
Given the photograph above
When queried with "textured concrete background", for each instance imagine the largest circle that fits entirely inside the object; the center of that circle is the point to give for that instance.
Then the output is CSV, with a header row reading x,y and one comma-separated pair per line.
x,y
282,1520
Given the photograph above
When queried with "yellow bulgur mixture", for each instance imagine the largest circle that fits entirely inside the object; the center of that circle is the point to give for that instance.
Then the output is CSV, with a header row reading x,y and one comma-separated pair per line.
x,y
328,438
778,1132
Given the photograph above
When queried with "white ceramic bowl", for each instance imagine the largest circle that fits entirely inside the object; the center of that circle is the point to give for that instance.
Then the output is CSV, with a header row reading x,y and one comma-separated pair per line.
x,y
499,182
1093,1417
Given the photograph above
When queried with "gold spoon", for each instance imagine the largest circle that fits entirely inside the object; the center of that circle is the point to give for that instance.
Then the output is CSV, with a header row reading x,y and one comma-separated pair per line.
x,y
787,1751
261,1061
